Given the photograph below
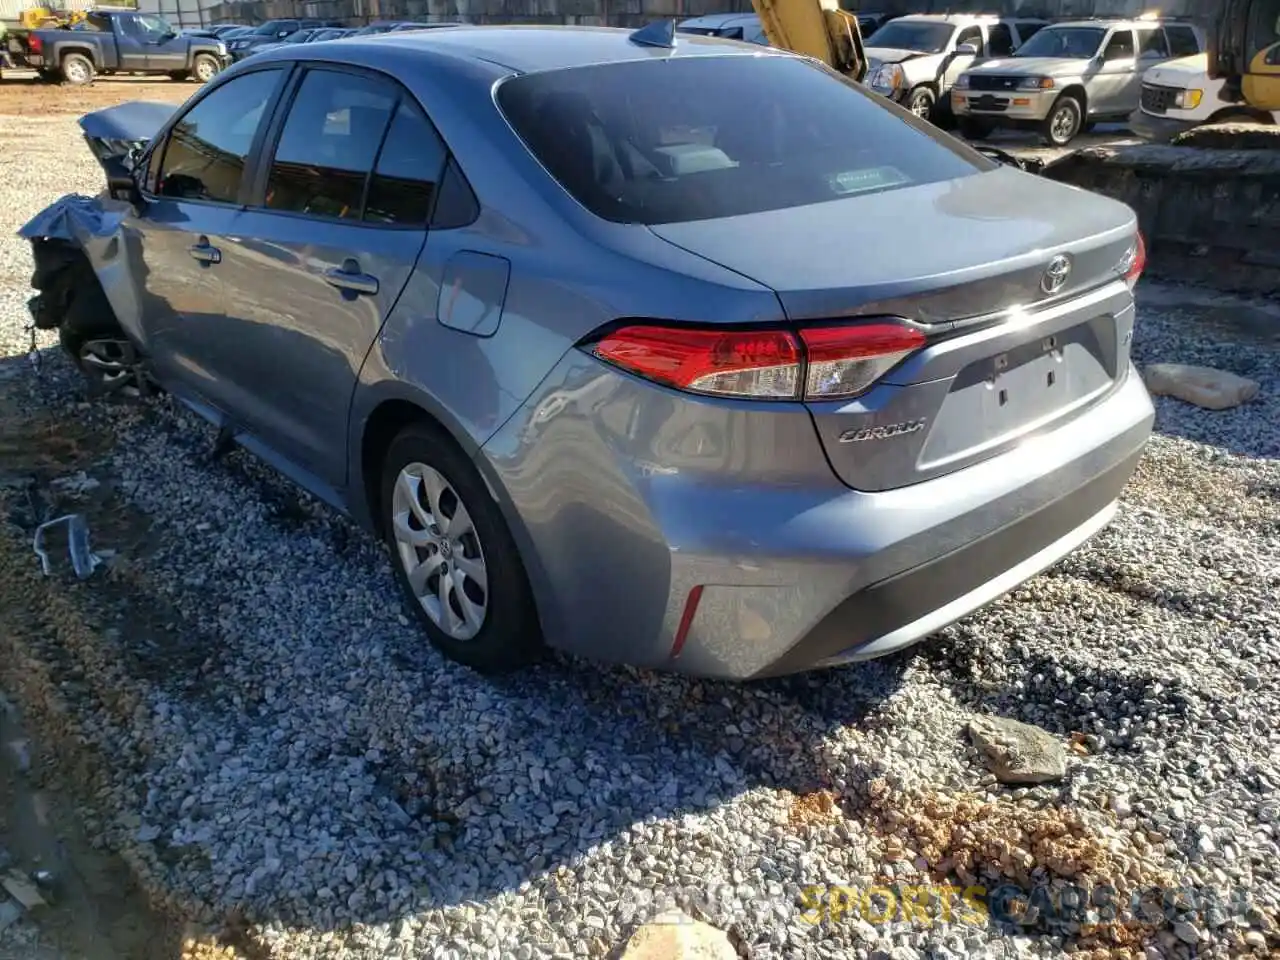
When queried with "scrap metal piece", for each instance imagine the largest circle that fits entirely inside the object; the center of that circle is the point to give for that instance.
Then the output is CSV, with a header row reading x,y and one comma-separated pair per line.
x,y
83,560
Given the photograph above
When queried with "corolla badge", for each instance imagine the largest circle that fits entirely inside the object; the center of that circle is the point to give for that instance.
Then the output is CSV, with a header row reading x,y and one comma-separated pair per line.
x,y
886,432
1056,274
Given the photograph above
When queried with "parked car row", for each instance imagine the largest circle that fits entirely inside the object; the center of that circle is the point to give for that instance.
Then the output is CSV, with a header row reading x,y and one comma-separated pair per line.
x,y
983,72
242,41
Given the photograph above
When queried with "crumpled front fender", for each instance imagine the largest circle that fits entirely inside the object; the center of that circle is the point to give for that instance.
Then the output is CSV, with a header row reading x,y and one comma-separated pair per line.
x,y
72,235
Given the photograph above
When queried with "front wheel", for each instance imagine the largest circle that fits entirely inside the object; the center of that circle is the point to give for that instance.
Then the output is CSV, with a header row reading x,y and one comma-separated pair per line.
x,y
453,556
1063,122
205,68
921,101
77,69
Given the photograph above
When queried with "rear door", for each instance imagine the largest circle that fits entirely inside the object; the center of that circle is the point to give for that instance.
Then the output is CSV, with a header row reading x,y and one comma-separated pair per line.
x,y
337,221
193,189
131,41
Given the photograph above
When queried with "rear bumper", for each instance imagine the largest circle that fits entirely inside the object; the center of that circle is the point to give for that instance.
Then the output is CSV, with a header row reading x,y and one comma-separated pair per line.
x,y
796,570
1157,129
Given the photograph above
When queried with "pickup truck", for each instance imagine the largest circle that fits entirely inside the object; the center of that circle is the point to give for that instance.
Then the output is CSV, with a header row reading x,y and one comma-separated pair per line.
x,y
122,41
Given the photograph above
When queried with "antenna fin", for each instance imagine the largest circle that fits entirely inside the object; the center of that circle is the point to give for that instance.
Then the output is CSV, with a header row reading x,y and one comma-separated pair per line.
x,y
660,33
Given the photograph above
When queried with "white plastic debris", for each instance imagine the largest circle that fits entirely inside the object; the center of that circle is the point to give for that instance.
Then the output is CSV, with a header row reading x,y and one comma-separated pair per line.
x,y
83,560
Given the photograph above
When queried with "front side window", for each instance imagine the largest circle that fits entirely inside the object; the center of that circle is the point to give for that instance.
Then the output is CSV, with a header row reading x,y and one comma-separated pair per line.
x,y
204,158
328,144
921,36
764,133
1120,46
1066,43
970,35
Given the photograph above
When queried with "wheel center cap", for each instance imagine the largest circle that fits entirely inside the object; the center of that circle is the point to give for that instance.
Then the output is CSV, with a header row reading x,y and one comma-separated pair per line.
x,y
446,549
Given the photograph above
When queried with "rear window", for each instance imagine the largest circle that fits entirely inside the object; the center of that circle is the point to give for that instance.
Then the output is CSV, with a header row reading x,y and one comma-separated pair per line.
x,y
764,133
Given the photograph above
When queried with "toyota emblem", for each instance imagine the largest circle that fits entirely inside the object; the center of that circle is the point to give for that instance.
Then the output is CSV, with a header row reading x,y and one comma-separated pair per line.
x,y
1055,275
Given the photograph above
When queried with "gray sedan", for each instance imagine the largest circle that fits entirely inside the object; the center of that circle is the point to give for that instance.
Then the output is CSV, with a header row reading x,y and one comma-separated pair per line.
x,y
772,377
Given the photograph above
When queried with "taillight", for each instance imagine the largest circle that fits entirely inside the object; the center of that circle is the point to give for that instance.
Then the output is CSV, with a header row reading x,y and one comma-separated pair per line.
x,y
815,363
1135,261
35,44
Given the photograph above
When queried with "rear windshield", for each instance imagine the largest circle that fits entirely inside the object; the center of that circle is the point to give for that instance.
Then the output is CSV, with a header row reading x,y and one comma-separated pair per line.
x,y
632,145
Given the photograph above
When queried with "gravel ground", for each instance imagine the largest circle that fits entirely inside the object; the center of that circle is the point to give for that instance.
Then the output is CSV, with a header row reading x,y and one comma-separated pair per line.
x,y
247,716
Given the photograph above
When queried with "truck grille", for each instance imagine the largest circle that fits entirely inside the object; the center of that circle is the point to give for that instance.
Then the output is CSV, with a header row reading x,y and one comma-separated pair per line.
x,y
1157,99
989,104
978,81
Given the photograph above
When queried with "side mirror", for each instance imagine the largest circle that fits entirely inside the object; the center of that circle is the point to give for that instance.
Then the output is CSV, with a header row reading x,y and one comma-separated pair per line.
x,y
967,50
282,34
121,184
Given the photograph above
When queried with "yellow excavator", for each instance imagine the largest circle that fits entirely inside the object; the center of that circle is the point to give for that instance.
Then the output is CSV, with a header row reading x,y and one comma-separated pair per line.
x,y
1244,51
815,28
34,18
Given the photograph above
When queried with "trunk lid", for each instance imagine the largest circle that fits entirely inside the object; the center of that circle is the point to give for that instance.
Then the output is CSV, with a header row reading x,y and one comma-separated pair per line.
x,y
956,257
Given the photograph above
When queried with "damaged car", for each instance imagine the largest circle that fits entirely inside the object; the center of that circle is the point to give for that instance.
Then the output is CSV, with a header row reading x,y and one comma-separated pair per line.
x,y
591,356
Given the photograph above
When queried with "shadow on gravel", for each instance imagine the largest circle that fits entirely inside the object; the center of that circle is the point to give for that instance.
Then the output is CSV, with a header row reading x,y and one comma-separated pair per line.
x,y
220,755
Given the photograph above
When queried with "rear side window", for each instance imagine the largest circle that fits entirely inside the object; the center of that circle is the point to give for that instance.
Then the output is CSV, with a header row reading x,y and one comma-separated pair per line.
x,y
764,133
408,170
1183,41
205,154
1120,46
328,144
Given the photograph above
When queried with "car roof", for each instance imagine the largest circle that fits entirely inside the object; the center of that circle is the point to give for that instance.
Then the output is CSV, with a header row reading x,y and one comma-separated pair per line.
x,y
520,49
1131,24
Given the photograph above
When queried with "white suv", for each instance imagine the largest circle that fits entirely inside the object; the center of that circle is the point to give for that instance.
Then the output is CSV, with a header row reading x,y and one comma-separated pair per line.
x,y
1069,76
915,59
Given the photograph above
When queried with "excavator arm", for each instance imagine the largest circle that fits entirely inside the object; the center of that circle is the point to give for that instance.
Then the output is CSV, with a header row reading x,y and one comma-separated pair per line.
x,y
815,28
1244,50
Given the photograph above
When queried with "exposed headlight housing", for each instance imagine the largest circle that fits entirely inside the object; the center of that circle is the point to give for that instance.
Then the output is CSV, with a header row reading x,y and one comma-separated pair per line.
x,y
962,82
887,77
222,49
1188,99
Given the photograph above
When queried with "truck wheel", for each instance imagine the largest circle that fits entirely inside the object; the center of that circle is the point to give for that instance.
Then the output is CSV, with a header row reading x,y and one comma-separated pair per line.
x,y
920,101
205,68
1063,122
178,74
77,69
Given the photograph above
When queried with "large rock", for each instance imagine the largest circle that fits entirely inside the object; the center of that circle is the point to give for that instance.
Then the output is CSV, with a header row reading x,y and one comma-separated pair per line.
x,y
1018,752
678,937
1203,386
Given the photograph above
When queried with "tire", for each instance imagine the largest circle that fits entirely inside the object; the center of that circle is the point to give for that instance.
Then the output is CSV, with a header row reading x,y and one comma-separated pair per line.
x,y
1064,122
77,69
204,68
974,129
179,75
921,101
91,335
506,635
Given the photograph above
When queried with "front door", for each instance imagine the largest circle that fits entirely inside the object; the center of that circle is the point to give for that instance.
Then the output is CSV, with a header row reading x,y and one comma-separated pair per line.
x,y
1118,71
319,259
166,48
192,204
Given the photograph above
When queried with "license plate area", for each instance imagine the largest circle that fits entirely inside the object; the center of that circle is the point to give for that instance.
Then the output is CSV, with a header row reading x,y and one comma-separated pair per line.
x,y
1022,390
988,102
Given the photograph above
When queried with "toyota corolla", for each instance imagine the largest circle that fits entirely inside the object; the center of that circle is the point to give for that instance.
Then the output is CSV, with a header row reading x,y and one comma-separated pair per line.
x,y
697,357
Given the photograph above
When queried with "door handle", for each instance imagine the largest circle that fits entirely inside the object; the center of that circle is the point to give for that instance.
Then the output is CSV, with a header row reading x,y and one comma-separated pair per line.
x,y
351,279
205,252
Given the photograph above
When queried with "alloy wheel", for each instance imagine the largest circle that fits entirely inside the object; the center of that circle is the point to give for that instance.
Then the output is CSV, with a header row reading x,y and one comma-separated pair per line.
x,y
1064,124
439,548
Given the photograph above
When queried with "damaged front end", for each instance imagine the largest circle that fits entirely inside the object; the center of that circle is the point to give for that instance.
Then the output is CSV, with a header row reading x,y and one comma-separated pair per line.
x,y
82,276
